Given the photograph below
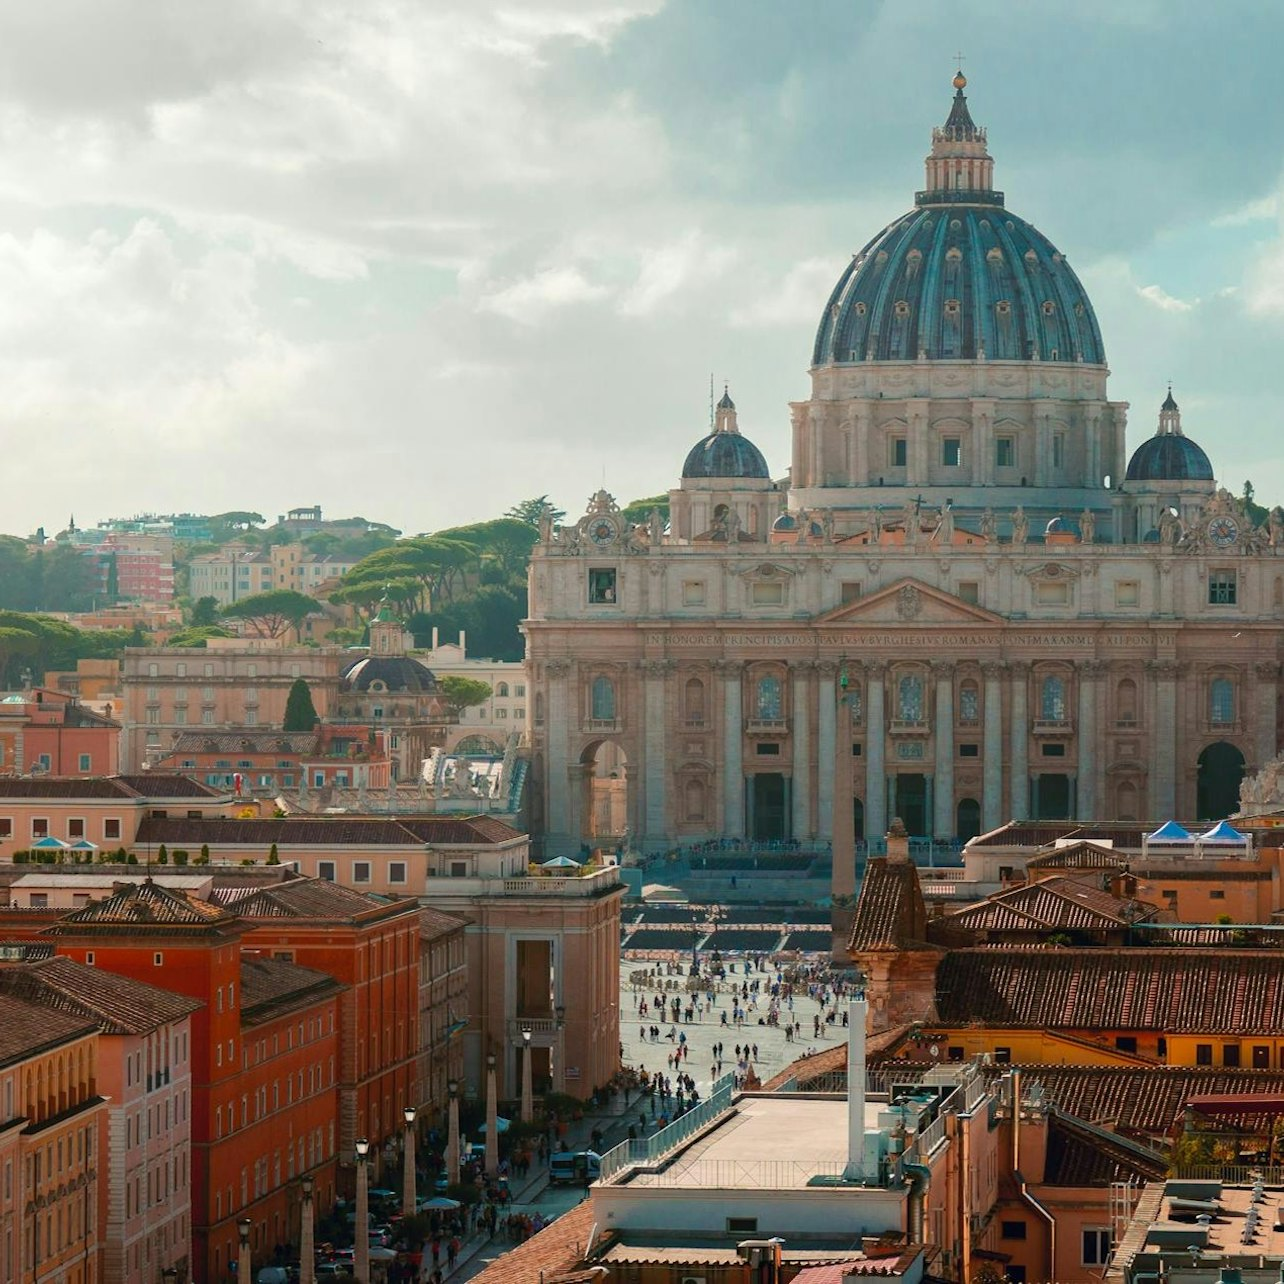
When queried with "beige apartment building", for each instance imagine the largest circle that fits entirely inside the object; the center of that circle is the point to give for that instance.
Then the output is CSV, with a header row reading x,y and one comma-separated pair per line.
x,y
967,603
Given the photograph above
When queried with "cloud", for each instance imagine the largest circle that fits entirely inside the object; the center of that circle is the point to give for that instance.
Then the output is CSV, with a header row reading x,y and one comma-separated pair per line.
x,y
1163,300
793,300
669,271
529,301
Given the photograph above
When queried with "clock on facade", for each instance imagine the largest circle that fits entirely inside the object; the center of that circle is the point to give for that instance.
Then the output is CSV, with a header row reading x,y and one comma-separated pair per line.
x,y
602,530
1223,531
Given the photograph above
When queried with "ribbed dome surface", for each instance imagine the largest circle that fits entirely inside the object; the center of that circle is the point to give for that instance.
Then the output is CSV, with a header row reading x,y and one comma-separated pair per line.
x,y
725,454
396,672
948,281
1169,457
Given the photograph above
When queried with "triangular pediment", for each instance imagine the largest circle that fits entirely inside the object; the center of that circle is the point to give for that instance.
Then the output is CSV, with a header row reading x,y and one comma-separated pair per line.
x,y
910,602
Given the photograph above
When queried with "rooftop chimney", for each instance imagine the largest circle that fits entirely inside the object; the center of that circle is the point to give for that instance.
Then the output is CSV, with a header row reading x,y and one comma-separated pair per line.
x,y
856,1013
898,841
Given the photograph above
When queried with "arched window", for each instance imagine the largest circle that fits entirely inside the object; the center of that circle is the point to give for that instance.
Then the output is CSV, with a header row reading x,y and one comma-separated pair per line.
x,y
695,799
694,697
603,699
969,703
909,698
1221,701
768,705
1052,700
502,689
1126,701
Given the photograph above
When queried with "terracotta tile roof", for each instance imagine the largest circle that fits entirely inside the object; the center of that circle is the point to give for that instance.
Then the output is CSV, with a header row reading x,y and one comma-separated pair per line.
x,y
245,741
315,898
1051,904
1080,1154
1195,992
272,987
26,1029
435,923
460,829
890,913
158,784
116,1003
547,1257
830,1061
323,831
1080,855
145,904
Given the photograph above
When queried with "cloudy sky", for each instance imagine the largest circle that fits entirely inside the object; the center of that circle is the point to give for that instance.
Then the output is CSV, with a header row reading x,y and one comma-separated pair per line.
x,y
420,259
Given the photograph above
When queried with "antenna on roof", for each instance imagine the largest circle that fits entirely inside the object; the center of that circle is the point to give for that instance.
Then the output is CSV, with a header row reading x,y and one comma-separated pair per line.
x,y
711,415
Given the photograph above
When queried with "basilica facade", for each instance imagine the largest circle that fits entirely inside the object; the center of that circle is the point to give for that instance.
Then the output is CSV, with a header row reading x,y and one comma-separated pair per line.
x,y
967,603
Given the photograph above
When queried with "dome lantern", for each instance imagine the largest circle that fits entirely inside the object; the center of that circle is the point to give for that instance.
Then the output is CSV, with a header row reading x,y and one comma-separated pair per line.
x,y
1169,456
959,167
725,452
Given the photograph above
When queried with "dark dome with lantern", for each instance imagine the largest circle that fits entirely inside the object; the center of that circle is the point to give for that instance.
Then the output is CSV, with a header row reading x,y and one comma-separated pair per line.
x,y
394,672
1169,456
725,453
959,277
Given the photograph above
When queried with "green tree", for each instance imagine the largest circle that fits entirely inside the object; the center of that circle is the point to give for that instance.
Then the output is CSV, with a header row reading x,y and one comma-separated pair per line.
x,y
640,509
204,612
197,637
300,712
531,510
272,614
504,543
462,693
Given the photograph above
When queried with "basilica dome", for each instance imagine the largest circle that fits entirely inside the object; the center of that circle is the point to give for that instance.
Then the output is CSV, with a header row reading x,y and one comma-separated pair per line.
x,y
959,277
388,673
1169,456
725,453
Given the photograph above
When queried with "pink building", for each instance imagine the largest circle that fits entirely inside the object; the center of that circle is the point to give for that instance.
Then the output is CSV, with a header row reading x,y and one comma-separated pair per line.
x,y
144,1072
50,732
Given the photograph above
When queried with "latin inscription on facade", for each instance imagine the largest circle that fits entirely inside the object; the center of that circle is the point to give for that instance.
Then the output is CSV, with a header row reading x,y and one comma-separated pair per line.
x,y
916,639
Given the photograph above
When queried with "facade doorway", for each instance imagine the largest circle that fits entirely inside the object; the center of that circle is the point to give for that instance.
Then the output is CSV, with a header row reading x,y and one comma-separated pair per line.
x,y
768,806
910,803
968,820
1051,797
1221,769
605,800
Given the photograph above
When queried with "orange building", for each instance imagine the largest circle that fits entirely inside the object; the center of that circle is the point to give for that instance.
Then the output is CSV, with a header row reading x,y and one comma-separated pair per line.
x,y
52,1146
264,1059
52,733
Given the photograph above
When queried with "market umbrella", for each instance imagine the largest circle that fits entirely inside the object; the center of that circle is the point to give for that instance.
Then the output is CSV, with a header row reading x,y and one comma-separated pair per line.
x,y
501,1125
439,1201
560,862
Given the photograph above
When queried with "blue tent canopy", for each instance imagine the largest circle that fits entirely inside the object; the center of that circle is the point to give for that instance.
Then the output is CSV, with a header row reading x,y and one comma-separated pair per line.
x,y
1223,832
1171,832
49,841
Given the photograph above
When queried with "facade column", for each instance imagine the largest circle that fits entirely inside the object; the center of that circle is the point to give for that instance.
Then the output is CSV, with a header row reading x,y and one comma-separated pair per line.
x,y
1163,769
1090,753
916,447
557,783
944,827
825,738
801,729
875,753
843,877
655,675
1264,700
860,453
992,749
1019,741
983,437
733,774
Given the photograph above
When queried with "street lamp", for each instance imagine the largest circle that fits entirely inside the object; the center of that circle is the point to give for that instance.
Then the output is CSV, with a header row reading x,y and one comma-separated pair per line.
x,y
452,1143
307,1248
528,1093
244,1267
361,1245
408,1165
492,1118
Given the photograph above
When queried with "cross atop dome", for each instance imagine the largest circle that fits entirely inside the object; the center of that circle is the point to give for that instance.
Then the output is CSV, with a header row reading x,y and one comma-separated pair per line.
x,y
959,168
724,419
1169,417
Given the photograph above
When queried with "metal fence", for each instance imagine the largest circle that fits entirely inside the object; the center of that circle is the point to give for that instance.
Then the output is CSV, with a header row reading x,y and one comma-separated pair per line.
x,y
746,1174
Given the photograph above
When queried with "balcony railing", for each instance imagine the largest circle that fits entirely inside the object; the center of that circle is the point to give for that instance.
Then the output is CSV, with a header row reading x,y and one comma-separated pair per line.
x,y
601,724
910,727
1053,726
766,726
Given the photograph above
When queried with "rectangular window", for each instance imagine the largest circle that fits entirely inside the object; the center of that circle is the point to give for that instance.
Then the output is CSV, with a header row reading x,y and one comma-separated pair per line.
x,y
397,871
207,717
360,871
6,826
1218,895
969,591
75,827
1127,593
1222,588
897,452
111,827
1096,1246
768,749
601,586
1002,1056
325,869
1126,1042
40,827
769,593
742,1225
1011,1230
951,452
850,590
1052,593
1053,750
1203,1054
969,751
692,592
1005,452
1059,450
86,762
1230,1054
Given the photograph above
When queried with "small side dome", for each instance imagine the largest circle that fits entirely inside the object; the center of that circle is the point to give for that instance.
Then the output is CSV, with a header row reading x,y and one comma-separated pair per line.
x,y
1059,526
725,454
1169,457
785,522
1151,536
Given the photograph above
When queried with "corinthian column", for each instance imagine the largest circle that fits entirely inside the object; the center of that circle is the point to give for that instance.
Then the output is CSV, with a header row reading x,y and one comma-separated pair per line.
x,y
655,673
825,731
1163,760
992,749
943,828
802,751
1086,732
875,759
1019,741
556,782
1264,701
733,774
